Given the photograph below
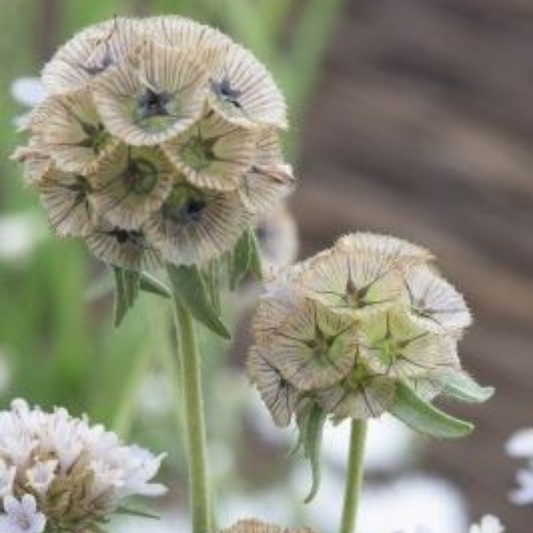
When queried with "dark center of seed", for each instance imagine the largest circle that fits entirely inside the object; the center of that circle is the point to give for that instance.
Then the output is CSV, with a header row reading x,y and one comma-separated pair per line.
x,y
153,104
185,205
226,92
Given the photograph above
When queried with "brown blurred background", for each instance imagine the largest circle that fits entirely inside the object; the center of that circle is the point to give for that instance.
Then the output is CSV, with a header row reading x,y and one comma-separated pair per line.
x,y
423,128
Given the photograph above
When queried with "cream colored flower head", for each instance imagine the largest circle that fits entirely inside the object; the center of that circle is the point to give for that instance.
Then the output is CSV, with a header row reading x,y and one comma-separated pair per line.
x,y
252,525
58,472
346,327
158,141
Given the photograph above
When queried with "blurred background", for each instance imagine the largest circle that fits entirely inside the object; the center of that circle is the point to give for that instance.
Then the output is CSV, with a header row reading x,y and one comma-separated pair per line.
x,y
410,117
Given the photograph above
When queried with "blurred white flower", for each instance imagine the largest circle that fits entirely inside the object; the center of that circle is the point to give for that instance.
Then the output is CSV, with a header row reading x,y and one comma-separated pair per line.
x,y
80,472
488,524
414,504
154,397
389,445
521,445
21,516
19,235
29,92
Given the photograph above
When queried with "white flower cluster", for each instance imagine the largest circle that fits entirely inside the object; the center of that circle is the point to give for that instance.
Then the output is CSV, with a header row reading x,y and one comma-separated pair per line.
x,y
158,141
521,446
488,524
59,472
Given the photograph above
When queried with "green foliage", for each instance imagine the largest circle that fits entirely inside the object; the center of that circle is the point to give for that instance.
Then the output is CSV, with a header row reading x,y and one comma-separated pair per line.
x,y
127,286
245,259
311,422
461,386
191,289
426,418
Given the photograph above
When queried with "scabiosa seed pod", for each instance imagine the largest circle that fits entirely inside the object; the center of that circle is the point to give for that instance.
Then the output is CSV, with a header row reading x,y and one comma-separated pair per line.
x,y
160,134
361,329
350,323
60,473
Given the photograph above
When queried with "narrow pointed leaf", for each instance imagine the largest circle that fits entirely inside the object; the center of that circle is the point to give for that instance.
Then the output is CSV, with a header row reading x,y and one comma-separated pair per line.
x,y
463,387
152,285
312,444
135,512
424,417
191,288
127,285
255,267
240,260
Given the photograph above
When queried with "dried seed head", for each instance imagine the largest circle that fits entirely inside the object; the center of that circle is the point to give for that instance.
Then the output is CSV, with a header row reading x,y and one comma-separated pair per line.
x,y
357,282
399,347
172,128
149,103
213,154
314,348
90,53
434,303
129,249
71,132
195,225
345,328
269,179
278,394
131,184
243,90
202,42
66,198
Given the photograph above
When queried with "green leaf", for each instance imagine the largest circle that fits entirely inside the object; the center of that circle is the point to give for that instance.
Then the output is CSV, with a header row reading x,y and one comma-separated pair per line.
x,y
461,386
154,286
135,512
245,259
240,260
424,417
256,267
127,285
311,425
191,288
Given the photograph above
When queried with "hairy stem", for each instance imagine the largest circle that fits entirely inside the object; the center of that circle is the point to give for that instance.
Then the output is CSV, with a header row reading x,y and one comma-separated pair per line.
x,y
191,384
354,478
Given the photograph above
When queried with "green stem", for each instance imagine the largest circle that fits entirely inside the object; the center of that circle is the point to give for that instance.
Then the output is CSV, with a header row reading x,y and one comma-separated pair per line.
x,y
191,384
354,479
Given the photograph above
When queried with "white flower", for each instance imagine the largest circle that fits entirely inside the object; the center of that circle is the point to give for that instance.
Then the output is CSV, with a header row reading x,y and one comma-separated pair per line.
x,y
521,444
488,524
65,460
7,477
19,235
523,495
22,516
41,475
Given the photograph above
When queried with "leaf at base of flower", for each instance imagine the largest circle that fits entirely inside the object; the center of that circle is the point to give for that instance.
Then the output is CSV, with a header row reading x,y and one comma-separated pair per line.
x,y
461,386
311,424
127,286
152,285
245,259
424,417
190,287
